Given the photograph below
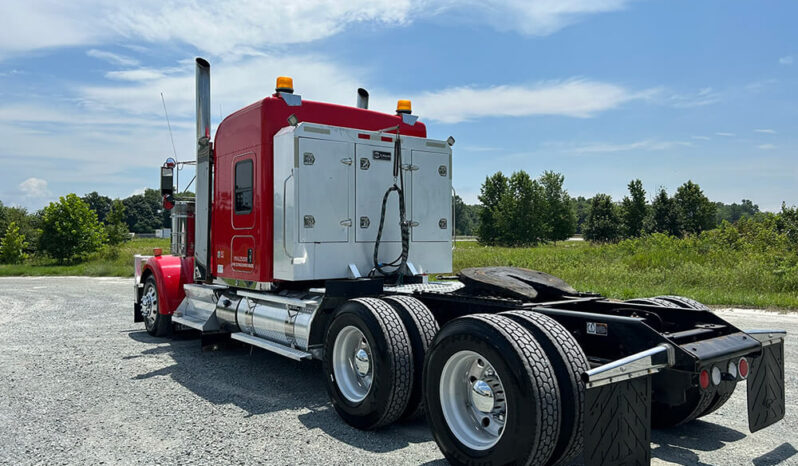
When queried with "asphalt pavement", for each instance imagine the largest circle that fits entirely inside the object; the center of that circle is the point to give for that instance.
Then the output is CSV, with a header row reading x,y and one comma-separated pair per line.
x,y
80,383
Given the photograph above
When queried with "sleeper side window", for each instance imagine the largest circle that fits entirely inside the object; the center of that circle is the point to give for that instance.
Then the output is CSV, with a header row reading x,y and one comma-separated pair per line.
x,y
243,191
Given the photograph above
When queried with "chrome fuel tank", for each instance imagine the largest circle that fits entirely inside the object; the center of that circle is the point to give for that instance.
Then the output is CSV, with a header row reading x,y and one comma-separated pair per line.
x,y
282,319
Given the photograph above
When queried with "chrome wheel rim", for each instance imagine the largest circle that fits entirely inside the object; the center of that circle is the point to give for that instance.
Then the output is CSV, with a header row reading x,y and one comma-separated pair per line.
x,y
353,364
149,305
473,400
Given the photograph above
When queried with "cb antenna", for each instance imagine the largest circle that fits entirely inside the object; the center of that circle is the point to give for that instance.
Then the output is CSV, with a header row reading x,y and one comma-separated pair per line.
x,y
172,138
169,125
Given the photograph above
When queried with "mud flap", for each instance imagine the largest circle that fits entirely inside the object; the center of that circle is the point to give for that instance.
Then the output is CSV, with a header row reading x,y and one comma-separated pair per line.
x,y
618,423
766,387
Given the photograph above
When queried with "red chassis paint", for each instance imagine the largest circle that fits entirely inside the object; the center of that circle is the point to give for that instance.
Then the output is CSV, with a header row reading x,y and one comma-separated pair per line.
x,y
249,134
171,273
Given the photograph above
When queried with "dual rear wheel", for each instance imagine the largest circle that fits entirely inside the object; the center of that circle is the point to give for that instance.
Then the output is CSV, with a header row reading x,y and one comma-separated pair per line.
x,y
495,388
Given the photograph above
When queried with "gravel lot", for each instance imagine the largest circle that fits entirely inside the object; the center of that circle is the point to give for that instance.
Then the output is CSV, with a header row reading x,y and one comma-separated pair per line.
x,y
81,383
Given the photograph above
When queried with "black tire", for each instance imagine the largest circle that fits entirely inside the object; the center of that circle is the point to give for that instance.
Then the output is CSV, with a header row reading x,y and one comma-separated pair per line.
x,y
569,363
698,402
688,303
421,327
652,302
529,388
392,370
156,324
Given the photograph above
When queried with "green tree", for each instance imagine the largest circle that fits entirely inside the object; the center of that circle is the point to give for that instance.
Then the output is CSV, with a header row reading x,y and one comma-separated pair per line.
x,y
491,194
145,212
116,228
582,208
696,212
787,223
602,224
29,225
12,246
663,217
3,220
634,209
734,211
70,230
522,210
101,205
466,217
560,214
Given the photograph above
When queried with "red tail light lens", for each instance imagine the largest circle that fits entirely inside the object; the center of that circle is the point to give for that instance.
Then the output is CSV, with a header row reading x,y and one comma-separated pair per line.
x,y
703,379
742,368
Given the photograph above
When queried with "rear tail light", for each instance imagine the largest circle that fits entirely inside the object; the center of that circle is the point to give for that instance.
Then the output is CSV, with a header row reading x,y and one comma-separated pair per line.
x,y
742,368
717,376
703,379
732,370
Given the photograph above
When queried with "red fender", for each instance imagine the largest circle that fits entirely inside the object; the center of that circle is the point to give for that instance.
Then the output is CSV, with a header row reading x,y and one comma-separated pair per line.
x,y
171,273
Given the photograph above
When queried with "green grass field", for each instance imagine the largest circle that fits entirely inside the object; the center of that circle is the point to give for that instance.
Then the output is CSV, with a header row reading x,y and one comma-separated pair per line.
x,y
651,267
726,278
108,262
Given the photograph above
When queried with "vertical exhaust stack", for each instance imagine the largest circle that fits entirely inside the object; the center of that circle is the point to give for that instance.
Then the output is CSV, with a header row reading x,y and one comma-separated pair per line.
x,y
362,98
202,225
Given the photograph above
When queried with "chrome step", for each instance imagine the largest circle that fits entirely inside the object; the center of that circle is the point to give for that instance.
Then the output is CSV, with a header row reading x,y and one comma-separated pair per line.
x,y
282,350
189,321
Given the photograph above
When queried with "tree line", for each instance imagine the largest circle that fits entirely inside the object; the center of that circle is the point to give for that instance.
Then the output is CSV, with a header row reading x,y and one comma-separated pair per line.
x,y
74,227
518,210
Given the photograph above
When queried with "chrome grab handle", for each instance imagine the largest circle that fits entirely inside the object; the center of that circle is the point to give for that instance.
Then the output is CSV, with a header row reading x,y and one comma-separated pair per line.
x,y
285,185
454,218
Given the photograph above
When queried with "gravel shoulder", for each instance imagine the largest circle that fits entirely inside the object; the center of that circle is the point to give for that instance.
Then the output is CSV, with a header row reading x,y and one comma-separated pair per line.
x,y
81,383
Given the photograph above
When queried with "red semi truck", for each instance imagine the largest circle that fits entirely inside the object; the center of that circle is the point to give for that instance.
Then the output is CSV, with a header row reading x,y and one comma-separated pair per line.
x,y
313,234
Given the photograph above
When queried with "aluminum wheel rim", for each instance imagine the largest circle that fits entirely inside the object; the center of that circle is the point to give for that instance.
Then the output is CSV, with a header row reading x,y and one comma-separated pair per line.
x,y
149,305
353,365
473,400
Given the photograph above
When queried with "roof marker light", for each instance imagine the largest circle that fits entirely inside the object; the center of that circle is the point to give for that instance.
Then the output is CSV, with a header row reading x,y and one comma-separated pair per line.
x,y
404,106
285,84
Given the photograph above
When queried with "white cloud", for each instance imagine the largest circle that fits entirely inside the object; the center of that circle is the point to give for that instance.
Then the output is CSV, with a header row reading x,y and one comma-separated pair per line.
x,y
243,27
537,18
700,98
34,188
575,98
112,58
701,138
727,135
766,131
766,146
788,60
141,74
645,145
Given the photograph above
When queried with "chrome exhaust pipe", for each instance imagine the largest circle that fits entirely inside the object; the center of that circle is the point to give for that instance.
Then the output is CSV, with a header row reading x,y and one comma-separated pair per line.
x,y
202,216
362,98
203,98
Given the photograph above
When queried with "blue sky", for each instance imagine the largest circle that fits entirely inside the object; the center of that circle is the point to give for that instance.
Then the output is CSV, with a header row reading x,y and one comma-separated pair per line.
x,y
602,91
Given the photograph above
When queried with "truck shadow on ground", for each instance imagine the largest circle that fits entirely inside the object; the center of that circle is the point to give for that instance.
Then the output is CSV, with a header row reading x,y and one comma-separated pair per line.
x,y
260,382
680,444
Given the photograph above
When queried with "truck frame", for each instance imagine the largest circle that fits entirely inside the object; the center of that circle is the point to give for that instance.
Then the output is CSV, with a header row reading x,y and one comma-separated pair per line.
x,y
283,249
